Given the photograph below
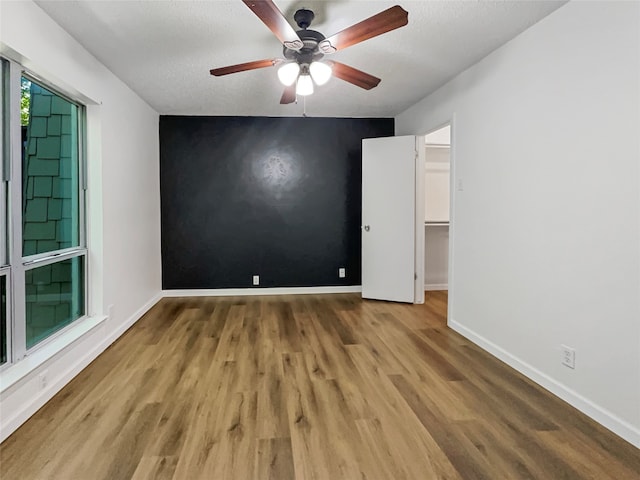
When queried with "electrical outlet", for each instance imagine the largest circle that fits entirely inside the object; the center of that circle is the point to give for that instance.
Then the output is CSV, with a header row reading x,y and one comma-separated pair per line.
x,y
42,380
342,272
256,279
459,185
568,356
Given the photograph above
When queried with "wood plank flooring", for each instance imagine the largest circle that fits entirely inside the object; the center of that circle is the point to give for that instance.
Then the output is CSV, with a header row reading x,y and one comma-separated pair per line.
x,y
307,387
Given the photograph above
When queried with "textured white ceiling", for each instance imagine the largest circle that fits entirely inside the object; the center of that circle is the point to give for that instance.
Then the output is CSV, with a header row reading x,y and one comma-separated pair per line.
x,y
164,49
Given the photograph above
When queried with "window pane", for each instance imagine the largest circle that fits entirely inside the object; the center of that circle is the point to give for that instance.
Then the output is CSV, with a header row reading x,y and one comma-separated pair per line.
x,y
50,174
54,297
3,319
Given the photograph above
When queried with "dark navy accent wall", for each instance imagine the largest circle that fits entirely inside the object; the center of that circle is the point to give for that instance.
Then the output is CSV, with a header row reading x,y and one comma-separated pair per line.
x,y
275,197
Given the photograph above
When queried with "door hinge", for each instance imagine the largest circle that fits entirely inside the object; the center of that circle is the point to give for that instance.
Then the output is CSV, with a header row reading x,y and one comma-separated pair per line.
x,y
415,276
416,153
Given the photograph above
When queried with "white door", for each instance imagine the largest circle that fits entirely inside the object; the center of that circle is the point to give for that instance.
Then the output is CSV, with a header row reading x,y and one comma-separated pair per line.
x,y
389,219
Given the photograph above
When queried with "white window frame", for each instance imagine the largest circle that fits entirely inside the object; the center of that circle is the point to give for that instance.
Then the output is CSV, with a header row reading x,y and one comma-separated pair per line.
x,y
5,165
5,271
16,290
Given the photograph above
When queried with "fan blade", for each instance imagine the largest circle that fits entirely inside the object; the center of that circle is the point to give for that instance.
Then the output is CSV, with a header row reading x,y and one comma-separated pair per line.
x,y
267,11
383,22
289,95
242,67
355,76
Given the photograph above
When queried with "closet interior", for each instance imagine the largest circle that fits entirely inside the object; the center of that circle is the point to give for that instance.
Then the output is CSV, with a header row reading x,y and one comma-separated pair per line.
x,y
436,224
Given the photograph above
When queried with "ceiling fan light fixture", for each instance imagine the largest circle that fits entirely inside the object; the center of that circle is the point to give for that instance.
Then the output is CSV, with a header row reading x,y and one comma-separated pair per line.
x,y
320,72
288,73
298,71
305,85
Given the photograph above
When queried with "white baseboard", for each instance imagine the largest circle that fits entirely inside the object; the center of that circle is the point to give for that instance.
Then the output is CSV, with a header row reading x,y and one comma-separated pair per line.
x,y
602,416
435,286
31,402
132,319
241,292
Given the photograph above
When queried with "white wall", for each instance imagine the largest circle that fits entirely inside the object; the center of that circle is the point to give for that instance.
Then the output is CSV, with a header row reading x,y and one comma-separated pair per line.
x,y
442,136
547,228
124,204
436,184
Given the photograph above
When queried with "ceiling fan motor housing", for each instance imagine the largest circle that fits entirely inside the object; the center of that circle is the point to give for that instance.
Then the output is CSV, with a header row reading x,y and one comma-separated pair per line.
x,y
310,51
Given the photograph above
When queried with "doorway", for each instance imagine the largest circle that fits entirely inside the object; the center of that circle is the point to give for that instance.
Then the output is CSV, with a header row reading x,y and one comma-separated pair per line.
x,y
437,195
407,195
389,236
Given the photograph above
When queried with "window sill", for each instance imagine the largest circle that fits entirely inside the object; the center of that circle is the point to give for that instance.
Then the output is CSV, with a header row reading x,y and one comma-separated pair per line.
x,y
16,372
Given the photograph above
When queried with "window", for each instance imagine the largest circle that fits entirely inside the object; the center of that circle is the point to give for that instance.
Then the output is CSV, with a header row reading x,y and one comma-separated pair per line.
x,y
43,133
51,221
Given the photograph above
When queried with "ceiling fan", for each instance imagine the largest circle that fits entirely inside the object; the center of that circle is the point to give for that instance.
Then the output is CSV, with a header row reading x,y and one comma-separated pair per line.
x,y
304,49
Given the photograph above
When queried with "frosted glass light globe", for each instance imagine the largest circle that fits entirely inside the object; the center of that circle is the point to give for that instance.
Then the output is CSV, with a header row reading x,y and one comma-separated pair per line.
x,y
320,72
288,73
305,85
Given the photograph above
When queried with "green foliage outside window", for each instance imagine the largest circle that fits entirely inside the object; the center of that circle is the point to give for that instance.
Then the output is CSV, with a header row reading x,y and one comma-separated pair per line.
x,y
25,98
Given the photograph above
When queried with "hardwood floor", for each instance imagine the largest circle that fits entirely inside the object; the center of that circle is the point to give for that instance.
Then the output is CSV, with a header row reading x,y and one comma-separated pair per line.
x,y
307,387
